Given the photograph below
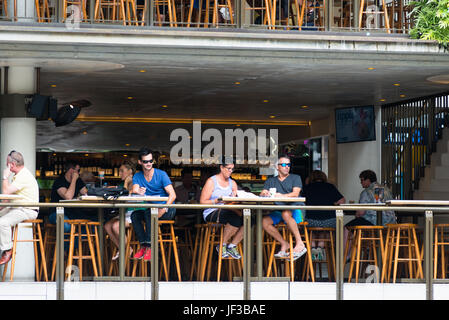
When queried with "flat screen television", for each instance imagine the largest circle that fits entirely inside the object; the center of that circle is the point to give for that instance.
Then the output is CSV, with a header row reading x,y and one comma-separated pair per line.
x,y
355,124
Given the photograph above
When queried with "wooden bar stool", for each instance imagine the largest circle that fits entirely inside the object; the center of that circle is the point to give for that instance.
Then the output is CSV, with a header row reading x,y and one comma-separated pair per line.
x,y
37,238
185,247
441,240
81,3
171,11
131,242
213,236
288,261
364,11
329,248
109,10
217,6
168,237
197,251
311,5
402,236
4,7
76,230
366,239
134,11
265,9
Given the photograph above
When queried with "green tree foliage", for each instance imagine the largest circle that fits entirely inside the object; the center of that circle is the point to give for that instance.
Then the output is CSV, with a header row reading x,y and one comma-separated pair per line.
x,y
431,21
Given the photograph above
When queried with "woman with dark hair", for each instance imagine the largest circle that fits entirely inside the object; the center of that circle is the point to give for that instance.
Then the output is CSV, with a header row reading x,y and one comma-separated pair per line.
x,y
216,187
112,227
320,192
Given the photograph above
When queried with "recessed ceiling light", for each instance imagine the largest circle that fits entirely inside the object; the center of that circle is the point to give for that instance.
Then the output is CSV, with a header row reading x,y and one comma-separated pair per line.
x,y
304,107
236,82
53,86
396,84
130,98
272,117
127,144
84,132
164,106
125,155
265,101
402,95
371,68
237,125
142,70
86,154
382,100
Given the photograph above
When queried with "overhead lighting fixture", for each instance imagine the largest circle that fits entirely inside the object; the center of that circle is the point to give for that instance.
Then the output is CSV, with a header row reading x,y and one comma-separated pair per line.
x,y
382,100
84,132
304,107
272,117
236,82
142,71
53,85
164,106
371,68
125,155
396,84
265,101
127,144
130,98
402,95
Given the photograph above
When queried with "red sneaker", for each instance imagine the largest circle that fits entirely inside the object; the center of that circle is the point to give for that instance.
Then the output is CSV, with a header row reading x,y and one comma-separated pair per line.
x,y
147,256
139,254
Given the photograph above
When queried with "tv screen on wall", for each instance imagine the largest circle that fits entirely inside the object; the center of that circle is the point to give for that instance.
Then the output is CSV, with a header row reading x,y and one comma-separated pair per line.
x,y
355,124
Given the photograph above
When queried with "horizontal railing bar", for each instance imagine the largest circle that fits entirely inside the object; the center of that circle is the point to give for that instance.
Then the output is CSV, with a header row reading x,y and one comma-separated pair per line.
x,y
411,209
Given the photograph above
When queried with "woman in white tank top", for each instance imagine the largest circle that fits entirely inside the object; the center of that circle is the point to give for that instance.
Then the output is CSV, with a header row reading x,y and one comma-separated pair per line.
x,y
216,187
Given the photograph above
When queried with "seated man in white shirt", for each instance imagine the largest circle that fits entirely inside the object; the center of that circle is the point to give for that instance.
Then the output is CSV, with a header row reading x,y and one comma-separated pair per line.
x,y
23,184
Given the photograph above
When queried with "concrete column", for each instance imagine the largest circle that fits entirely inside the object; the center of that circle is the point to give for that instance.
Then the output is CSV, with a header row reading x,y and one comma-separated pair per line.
x,y
19,133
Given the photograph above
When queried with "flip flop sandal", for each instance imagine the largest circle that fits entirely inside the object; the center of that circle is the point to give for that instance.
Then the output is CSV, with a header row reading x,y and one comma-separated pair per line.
x,y
297,255
281,254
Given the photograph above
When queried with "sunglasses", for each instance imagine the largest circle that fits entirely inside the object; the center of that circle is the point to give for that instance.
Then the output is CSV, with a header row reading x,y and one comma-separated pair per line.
x,y
285,165
148,161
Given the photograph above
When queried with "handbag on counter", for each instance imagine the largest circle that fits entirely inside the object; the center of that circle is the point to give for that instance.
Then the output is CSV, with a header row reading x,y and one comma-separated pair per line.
x,y
108,193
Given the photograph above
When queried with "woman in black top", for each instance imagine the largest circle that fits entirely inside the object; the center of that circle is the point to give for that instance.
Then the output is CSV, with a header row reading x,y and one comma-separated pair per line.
x,y
320,193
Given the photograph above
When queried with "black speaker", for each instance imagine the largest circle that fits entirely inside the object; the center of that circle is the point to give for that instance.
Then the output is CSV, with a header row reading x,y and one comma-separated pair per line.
x,y
38,108
66,114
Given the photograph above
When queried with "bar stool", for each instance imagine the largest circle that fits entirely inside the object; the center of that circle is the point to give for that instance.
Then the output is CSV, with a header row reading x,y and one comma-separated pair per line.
x,y
130,243
265,10
76,227
49,245
441,240
363,11
213,236
185,247
109,9
81,3
402,236
289,263
365,238
311,5
217,6
37,238
4,7
329,248
168,237
197,251
132,12
171,11
42,10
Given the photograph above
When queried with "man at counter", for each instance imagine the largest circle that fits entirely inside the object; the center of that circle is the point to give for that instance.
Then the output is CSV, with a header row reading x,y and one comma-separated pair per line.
x,y
286,185
150,182
23,184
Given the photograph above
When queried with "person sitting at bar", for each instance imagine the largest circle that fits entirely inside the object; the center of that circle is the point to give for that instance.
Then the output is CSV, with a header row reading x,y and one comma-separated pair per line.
x,y
150,182
319,192
287,185
69,186
216,187
187,192
23,184
112,227
368,180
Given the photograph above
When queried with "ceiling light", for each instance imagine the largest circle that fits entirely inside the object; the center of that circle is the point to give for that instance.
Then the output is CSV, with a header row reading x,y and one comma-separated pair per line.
x,y
236,82
127,144
371,68
84,132
272,117
304,107
265,101
130,98
402,95
142,71
396,84
125,155
53,86
86,154
382,100
164,106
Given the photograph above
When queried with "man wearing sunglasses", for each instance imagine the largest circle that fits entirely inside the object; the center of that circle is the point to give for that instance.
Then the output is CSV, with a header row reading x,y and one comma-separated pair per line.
x,y
150,182
23,184
287,185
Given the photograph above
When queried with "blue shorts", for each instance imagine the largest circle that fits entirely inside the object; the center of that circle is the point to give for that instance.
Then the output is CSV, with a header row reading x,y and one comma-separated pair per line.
x,y
276,216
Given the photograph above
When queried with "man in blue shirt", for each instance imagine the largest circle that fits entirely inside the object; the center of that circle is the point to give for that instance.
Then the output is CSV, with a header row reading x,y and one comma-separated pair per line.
x,y
150,182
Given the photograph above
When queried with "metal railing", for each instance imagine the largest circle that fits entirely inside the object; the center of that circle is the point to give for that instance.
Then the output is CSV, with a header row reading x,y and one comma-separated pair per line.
x,y
248,210
302,15
410,131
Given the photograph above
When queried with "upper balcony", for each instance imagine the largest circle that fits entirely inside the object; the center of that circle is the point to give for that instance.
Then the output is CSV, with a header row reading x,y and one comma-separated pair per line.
x,y
370,16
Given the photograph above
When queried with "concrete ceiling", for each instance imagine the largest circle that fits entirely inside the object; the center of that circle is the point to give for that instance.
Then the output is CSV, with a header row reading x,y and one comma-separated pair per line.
x,y
228,84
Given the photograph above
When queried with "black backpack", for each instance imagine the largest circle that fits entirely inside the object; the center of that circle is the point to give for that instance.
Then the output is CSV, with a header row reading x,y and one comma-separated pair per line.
x,y
111,193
